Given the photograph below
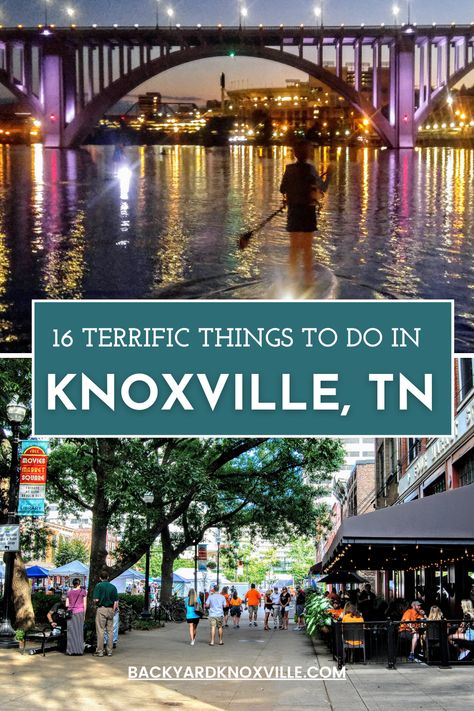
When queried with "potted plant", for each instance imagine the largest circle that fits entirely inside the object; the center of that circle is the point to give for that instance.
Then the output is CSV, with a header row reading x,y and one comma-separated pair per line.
x,y
21,638
316,615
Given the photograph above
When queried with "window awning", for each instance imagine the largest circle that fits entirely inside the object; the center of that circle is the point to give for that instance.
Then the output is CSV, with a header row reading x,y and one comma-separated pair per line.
x,y
437,529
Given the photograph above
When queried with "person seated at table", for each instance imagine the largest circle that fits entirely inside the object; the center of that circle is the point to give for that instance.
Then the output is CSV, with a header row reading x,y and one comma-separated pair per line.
x,y
351,615
336,609
410,628
465,631
344,610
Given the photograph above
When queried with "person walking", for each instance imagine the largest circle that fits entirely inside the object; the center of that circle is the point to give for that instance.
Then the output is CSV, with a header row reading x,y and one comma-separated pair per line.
x,y
252,598
193,613
268,607
225,592
235,609
276,608
299,605
216,603
76,603
106,598
285,599
300,186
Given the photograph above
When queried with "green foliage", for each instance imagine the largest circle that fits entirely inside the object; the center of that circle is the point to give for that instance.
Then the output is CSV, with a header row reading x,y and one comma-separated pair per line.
x,y
256,567
42,604
315,613
137,602
271,487
69,550
302,557
34,539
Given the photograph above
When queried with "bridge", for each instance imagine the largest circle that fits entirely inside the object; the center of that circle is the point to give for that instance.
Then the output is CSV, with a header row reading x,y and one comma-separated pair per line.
x,y
70,77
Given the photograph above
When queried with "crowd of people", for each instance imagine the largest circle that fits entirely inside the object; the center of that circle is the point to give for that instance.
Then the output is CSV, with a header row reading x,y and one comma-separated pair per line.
x,y
357,606
220,605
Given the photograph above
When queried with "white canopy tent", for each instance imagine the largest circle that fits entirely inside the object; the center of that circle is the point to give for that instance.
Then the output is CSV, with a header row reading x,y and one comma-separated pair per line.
x,y
204,580
126,578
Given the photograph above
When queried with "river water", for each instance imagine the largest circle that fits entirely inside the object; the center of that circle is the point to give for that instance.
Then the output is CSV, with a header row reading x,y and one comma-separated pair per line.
x,y
394,224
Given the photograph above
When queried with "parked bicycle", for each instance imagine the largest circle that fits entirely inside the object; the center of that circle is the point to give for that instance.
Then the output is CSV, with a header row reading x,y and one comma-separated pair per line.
x,y
173,611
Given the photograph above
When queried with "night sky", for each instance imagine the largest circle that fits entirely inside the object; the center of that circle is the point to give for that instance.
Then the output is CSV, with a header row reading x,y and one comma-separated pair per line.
x,y
201,79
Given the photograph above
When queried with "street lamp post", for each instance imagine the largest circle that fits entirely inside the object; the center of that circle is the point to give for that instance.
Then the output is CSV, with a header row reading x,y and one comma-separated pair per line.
x,y
218,541
46,3
157,13
16,414
170,13
145,615
396,12
318,11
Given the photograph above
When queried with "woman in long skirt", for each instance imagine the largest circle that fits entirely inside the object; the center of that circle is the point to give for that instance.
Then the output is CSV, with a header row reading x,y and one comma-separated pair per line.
x,y
76,602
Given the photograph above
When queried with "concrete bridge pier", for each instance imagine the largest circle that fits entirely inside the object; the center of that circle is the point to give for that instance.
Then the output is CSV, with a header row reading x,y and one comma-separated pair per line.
x,y
403,86
58,93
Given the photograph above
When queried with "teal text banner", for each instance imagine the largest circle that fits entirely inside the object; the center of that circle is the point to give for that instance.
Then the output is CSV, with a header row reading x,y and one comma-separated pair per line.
x,y
158,368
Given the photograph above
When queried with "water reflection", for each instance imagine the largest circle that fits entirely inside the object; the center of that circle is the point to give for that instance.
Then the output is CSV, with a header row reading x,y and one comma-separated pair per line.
x,y
399,222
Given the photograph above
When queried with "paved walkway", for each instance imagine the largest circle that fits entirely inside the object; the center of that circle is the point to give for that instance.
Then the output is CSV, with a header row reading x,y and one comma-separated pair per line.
x,y
56,682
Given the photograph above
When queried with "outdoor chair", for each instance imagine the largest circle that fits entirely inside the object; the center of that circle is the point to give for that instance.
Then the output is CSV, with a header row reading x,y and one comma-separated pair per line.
x,y
353,639
432,640
47,641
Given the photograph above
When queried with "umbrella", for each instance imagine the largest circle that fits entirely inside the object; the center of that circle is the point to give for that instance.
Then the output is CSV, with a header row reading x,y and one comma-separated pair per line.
x,y
36,571
342,576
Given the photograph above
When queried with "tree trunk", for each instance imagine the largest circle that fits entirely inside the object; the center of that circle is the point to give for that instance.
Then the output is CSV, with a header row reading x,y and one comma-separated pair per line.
x,y
98,557
25,616
169,556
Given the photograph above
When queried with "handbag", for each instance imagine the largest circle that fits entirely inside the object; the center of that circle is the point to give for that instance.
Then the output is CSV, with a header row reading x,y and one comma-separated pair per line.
x,y
198,608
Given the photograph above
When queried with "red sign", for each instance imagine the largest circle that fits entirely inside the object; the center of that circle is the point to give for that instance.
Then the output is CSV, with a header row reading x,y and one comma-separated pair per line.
x,y
33,466
202,551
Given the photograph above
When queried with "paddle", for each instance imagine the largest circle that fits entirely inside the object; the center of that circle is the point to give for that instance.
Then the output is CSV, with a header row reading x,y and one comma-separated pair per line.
x,y
246,236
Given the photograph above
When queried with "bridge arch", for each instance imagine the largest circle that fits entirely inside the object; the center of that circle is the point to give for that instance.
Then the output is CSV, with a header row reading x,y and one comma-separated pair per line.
x,y
441,93
78,129
28,101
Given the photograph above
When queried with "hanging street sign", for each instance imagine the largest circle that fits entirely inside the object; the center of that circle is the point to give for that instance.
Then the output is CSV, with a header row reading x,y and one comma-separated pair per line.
x,y
10,538
33,472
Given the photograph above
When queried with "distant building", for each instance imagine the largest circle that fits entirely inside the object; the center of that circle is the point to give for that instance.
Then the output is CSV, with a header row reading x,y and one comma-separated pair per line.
x,y
306,106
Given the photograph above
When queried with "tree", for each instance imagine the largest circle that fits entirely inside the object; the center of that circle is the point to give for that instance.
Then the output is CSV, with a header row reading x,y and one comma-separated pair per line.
x,y
302,557
67,551
198,483
257,566
273,489
15,380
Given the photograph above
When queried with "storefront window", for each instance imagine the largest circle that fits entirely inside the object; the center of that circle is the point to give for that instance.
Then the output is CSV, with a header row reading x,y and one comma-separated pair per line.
x,y
466,376
414,446
466,470
436,487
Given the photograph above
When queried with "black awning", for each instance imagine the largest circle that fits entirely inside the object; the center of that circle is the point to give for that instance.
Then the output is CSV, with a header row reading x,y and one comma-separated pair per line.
x,y
435,529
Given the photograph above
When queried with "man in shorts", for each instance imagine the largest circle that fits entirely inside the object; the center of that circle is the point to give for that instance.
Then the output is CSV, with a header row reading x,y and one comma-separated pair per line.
x,y
215,604
252,598
276,607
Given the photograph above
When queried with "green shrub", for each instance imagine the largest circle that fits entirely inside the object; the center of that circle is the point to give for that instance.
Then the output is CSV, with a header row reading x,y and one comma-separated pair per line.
x,y
135,601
